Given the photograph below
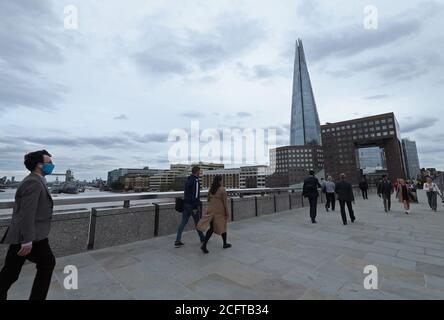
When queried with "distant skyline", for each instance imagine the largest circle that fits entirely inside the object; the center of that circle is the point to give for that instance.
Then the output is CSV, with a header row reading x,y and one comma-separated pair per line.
x,y
107,95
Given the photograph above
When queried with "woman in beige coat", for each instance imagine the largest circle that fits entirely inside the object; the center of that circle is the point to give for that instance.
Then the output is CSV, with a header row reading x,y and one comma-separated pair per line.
x,y
216,217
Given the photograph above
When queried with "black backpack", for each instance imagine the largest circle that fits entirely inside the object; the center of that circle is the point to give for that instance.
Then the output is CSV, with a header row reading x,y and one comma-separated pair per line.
x,y
179,205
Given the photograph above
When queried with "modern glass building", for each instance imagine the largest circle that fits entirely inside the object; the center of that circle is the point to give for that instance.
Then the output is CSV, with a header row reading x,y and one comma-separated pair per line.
x,y
305,125
411,158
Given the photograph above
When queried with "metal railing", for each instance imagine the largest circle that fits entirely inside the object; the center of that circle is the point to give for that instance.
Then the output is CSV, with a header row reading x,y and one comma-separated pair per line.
x,y
127,198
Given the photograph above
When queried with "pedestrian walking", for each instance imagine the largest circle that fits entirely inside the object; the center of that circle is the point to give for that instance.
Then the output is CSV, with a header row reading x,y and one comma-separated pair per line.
x,y
191,206
363,185
344,190
432,193
329,189
28,232
310,191
385,191
216,218
404,195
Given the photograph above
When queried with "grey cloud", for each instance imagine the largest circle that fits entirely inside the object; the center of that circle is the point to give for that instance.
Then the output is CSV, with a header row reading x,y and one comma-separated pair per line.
x,y
51,141
193,114
147,138
170,52
102,158
377,97
417,123
262,71
28,31
392,69
354,39
121,117
244,114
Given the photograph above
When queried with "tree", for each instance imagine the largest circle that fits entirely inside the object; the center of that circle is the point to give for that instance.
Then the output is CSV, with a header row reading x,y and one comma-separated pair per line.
x,y
117,186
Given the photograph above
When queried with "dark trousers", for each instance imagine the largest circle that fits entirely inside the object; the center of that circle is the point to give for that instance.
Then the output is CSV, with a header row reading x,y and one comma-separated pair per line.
x,y
313,206
42,256
364,193
350,211
331,201
186,214
387,199
432,199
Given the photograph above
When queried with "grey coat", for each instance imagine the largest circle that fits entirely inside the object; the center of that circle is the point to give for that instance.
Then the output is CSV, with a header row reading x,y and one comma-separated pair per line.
x,y
32,213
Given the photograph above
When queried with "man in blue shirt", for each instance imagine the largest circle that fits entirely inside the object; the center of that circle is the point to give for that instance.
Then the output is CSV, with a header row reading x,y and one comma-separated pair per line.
x,y
191,205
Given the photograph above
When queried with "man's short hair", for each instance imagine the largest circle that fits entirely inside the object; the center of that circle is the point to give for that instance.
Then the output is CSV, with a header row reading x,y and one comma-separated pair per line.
x,y
33,158
195,169
342,176
311,172
384,176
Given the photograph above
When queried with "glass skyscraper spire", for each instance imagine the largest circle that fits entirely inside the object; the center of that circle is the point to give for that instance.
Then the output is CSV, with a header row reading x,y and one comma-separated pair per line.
x,y
305,125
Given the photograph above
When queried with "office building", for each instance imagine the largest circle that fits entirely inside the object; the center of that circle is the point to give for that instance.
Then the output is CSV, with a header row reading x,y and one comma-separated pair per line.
x,y
253,176
290,165
305,128
413,168
230,178
367,147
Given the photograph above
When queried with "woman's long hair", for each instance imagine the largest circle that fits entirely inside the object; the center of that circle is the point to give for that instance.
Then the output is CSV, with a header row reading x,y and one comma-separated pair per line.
x,y
217,182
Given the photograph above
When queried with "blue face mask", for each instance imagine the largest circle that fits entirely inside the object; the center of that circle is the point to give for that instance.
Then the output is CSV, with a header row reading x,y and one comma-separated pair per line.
x,y
48,168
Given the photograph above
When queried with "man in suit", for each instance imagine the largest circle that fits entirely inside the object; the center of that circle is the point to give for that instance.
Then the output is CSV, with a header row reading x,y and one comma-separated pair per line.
x,y
344,190
385,190
310,191
191,205
28,232
363,185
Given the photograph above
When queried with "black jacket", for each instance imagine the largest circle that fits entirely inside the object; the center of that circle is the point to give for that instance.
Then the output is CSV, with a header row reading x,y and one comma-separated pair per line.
x,y
363,185
385,187
192,191
345,191
311,185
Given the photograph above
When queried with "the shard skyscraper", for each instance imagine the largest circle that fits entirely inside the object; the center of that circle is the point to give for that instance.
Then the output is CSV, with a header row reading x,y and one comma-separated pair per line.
x,y
305,125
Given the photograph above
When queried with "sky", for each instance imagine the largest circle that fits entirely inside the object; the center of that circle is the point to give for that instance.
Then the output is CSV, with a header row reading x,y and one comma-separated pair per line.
x,y
108,93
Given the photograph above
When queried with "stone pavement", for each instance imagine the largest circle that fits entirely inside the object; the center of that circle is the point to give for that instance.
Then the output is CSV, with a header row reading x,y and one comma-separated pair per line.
x,y
279,256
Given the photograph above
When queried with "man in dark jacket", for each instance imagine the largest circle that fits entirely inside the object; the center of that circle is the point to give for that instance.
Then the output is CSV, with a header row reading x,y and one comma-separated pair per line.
x,y
28,232
310,191
191,205
385,190
363,185
345,196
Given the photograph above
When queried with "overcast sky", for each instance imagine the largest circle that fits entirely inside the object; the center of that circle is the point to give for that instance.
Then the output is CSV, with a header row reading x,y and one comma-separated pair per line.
x,y
107,94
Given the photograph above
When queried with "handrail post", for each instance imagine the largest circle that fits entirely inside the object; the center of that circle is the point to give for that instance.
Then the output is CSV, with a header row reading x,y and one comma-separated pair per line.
x,y
232,209
289,200
92,229
126,204
255,206
156,219
274,200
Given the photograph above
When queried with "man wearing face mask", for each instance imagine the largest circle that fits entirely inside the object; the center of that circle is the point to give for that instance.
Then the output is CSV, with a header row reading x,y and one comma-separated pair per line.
x,y
28,232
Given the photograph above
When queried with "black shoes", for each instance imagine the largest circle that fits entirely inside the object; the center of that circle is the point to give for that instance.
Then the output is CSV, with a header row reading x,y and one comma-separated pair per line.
x,y
326,208
227,245
353,220
313,221
204,249
178,244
